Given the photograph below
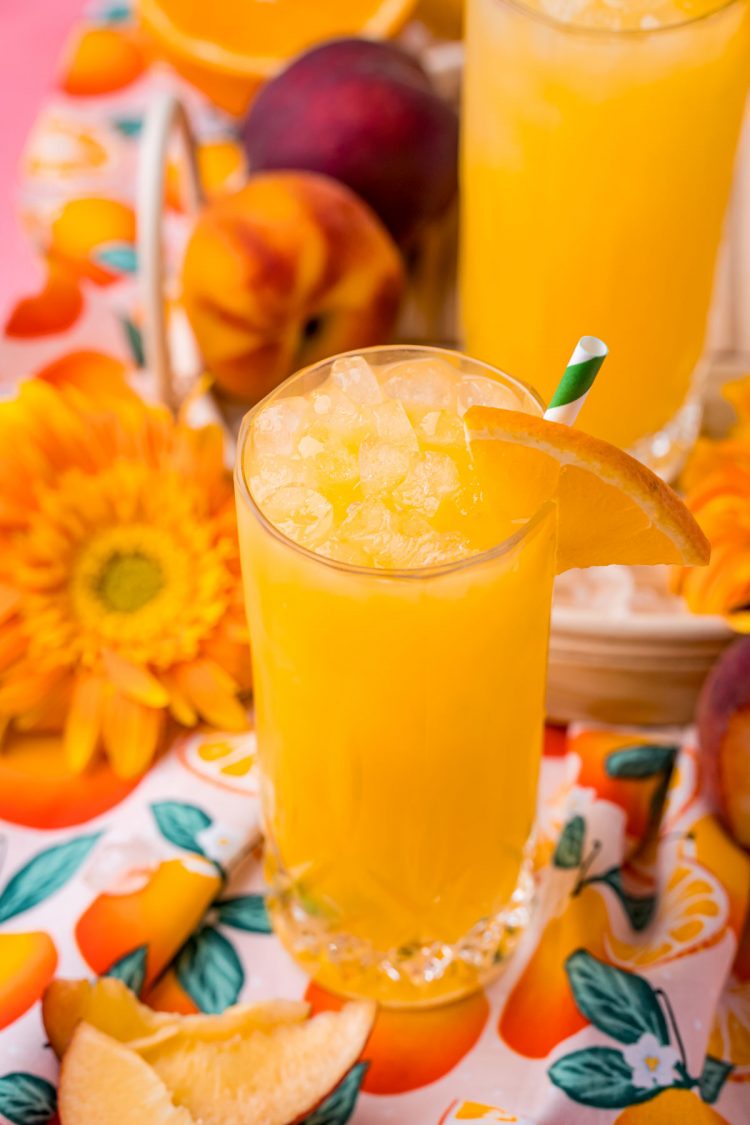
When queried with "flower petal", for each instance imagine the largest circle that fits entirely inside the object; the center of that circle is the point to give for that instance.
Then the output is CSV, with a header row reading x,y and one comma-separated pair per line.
x,y
101,377
131,734
232,657
84,721
26,687
49,716
134,680
180,707
213,694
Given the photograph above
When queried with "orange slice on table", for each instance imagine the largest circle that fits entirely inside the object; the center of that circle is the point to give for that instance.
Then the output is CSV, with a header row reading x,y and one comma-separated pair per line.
x,y
228,49
611,508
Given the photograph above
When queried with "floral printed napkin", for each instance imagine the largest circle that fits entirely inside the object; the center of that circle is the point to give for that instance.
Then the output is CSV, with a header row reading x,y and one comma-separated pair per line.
x,y
627,1000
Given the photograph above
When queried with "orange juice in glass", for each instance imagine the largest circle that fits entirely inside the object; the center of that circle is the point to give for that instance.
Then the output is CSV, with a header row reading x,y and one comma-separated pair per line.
x,y
598,149
399,629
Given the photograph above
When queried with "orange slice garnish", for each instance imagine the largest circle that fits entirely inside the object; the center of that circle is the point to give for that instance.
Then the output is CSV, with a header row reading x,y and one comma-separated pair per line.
x,y
611,508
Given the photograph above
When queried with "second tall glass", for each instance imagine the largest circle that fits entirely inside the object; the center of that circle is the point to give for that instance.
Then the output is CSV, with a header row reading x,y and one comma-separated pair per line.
x,y
599,144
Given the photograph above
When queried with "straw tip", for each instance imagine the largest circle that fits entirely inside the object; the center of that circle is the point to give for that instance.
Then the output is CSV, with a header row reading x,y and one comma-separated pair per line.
x,y
593,346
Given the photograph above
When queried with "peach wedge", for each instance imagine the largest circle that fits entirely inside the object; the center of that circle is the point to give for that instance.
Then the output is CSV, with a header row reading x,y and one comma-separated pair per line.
x,y
264,1078
109,1006
105,1082
270,1077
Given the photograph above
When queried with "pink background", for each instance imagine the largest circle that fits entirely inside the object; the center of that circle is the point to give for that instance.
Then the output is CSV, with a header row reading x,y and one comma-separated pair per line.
x,y
32,33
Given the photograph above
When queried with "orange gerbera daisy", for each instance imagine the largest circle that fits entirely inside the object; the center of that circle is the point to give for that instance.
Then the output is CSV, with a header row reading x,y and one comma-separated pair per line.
x,y
120,596
717,487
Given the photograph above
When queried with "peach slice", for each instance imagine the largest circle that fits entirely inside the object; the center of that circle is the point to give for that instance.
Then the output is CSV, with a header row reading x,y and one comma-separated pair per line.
x,y
264,1078
269,1077
101,1080
110,1006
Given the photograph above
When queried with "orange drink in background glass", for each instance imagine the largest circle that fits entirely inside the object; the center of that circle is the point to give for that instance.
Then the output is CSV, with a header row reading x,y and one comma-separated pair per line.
x,y
598,149
399,631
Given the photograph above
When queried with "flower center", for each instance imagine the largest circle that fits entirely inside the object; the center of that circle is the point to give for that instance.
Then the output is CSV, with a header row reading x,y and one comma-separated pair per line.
x,y
128,581
651,1062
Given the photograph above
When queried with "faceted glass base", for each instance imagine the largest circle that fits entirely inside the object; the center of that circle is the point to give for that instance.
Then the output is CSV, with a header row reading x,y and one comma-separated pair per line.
x,y
410,976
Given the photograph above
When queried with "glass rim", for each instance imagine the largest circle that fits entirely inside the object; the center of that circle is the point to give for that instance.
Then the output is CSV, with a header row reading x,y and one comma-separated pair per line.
x,y
611,32
421,573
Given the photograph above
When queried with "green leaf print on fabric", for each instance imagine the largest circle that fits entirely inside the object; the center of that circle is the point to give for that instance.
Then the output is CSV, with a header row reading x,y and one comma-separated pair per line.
x,y
714,1075
134,340
180,824
600,1077
43,875
339,1106
26,1099
639,908
131,969
128,126
112,14
245,912
619,1003
569,850
210,971
119,256
640,761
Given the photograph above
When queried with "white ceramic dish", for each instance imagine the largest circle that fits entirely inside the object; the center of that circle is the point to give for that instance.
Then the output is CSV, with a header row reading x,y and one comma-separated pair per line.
x,y
639,670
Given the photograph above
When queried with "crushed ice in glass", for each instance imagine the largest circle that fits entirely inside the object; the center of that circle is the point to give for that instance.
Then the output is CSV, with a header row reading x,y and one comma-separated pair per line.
x,y
372,468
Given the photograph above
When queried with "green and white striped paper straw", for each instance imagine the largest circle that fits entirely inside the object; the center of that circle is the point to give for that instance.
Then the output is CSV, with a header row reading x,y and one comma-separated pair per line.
x,y
566,402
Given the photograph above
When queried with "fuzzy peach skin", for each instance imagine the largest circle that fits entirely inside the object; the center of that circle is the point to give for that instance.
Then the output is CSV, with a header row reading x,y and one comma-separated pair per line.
x,y
724,732
291,268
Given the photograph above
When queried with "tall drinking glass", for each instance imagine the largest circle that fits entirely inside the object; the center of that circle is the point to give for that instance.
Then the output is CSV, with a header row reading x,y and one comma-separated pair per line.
x,y
598,149
399,708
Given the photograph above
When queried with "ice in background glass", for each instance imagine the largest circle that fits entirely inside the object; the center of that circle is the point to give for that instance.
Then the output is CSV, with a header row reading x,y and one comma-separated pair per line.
x,y
598,149
399,635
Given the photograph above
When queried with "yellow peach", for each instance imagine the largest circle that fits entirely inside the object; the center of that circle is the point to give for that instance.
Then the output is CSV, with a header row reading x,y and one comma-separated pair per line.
x,y
275,1076
110,1006
290,269
103,1081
